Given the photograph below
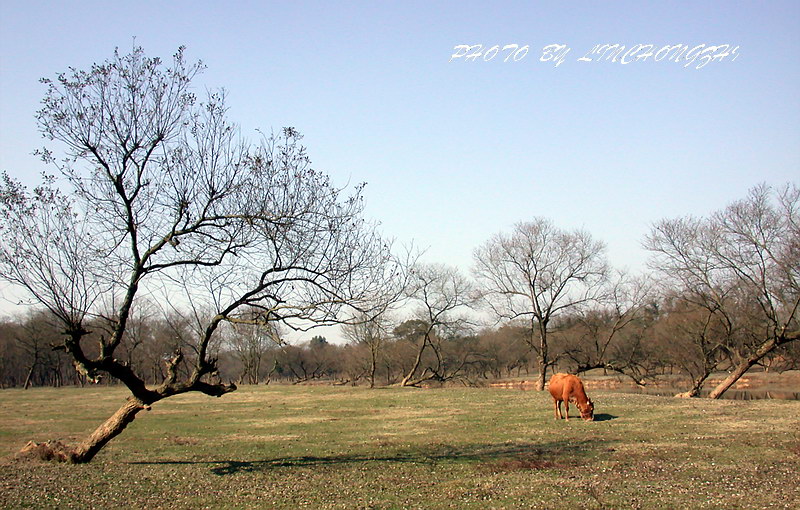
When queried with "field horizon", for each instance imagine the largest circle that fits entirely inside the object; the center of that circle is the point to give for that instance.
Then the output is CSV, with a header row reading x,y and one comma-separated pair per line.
x,y
344,447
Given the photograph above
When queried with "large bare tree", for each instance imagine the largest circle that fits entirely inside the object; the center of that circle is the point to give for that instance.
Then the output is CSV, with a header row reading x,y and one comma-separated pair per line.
x,y
742,263
537,272
158,195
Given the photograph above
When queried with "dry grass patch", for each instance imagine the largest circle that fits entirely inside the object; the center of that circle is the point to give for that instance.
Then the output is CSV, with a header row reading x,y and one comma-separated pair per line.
x,y
183,441
296,420
520,464
261,438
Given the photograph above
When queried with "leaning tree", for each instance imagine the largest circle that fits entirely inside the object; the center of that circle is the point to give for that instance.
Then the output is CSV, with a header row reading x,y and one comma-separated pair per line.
x,y
156,194
536,273
741,264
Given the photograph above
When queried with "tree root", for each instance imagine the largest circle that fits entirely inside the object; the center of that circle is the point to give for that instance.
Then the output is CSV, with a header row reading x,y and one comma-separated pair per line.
x,y
48,451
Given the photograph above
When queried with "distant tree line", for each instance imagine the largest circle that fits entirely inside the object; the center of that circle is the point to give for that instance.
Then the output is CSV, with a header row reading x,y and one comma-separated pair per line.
x,y
639,334
722,295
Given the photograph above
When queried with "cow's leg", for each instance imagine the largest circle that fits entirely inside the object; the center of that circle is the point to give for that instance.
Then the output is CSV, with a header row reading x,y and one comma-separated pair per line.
x,y
557,406
566,409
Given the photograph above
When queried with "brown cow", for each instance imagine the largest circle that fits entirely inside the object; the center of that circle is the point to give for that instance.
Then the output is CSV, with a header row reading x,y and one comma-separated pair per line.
x,y
569,388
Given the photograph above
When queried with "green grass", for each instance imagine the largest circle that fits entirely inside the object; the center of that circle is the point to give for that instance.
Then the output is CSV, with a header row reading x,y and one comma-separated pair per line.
x,y
326,447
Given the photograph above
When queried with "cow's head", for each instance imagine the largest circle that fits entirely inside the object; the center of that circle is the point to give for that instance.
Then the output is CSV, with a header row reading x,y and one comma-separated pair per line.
x,y
587,410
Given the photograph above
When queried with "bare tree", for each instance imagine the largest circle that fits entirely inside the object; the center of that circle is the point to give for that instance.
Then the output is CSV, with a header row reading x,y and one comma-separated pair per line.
x,y
308,361
442,295
744,261
597,339
536,273
250,344
371,333
694,337
787,357
26,355
10,354
36,335
504,351
160,195
139,333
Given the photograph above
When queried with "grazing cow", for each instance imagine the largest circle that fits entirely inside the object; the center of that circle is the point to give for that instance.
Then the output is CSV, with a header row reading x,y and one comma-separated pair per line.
x,y
569,388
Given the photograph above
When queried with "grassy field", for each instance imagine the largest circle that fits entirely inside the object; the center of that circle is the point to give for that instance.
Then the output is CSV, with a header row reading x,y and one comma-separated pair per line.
x,y
326,447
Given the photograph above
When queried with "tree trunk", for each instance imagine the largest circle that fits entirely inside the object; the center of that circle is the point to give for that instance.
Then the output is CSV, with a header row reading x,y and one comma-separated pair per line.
x,y
543,357
743,367
729,381
696,385
85,452
542,376
29,377
257,369
372,367
112,427
407,379
272,371
540,379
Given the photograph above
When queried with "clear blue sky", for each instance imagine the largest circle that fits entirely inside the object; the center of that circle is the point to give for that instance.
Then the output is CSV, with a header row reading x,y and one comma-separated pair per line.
x,y
454,152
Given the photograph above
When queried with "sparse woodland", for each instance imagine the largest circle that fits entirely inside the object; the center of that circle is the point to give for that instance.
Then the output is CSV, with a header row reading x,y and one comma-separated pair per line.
x,y
663,337
168,254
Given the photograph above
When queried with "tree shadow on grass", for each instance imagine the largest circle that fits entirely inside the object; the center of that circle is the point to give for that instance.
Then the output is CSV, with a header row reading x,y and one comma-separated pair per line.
x,y
554,455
